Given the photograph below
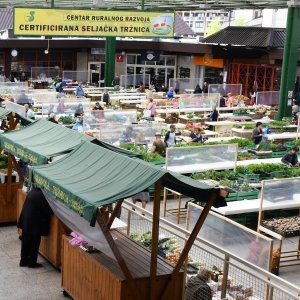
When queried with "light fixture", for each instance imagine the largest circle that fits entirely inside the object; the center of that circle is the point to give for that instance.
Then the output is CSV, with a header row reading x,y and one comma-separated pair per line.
x,y
14,53
47,50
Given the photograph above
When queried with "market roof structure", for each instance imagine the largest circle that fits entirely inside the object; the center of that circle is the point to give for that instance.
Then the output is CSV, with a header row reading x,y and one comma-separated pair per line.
x,y
91,176
5,113
41,140
258,37
155,5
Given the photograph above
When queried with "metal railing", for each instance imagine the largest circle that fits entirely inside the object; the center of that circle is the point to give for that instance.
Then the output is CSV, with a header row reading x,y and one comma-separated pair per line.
x,y
237,277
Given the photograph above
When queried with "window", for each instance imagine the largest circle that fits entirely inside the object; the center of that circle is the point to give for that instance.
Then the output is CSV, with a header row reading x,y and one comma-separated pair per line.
x,y
199,24
131,58
186,14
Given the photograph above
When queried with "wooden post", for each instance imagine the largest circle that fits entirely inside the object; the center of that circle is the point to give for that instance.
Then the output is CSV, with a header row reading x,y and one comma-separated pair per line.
x,y
9,179
154,245
190,242
102,223
225,277
114,214
17,167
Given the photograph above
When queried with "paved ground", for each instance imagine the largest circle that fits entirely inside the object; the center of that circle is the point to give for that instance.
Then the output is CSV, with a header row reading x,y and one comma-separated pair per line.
x,y
45,283
24,283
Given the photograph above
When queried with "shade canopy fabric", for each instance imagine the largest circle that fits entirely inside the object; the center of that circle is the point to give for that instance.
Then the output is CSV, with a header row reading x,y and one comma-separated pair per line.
x,y
5,113
92,176
41,140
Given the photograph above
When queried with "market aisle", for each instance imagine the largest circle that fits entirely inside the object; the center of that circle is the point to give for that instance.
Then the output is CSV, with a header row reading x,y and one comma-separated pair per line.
x,y
24,283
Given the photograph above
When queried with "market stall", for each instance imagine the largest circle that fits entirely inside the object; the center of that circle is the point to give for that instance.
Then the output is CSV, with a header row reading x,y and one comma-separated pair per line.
x,y
81,200
281,194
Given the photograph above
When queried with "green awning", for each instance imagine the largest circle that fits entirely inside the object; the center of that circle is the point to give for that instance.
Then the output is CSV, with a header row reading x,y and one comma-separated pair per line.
x,y
6,113
41,140
92,176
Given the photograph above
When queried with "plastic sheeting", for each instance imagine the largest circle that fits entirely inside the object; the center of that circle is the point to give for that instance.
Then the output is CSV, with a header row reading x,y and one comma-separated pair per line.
x,y
66,107
19,109
79,76
183,84
44,74
40,96
283,193
224,89
128,81
269,98
202,158
93,235
232,237
203,100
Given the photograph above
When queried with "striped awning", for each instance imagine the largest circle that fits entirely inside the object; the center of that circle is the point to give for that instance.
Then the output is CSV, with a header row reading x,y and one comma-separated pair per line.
x,y
6,18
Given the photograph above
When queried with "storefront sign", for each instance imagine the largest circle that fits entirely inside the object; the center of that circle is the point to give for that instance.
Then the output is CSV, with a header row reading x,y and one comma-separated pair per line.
x,y
60,22
208,61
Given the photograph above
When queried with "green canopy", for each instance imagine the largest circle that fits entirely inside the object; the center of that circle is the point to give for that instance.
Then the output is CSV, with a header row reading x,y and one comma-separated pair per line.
x,y
41,140
92,176
6,113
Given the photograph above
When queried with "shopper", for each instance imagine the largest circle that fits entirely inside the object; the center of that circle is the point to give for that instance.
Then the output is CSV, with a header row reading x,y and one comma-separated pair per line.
x,y
97,106
196,136
229,101
60,93
61,106
29,113
79,90
213,117
151,107
176,86
291,158
79,111
205,88
158,145
198,89
143,197
170,93
106,97
170,137
257,134
116,80
141,88
34,222
197,287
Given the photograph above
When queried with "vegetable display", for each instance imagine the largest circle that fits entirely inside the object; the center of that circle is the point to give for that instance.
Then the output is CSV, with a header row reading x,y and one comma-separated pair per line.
x,y
3,161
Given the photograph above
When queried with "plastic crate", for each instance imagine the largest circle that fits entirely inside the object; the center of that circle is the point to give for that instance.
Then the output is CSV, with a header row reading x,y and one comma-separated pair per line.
x,y
249,177
239,196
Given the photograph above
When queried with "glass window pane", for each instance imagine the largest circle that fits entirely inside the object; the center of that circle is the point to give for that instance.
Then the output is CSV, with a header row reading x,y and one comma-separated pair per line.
x,y
130,58
170,60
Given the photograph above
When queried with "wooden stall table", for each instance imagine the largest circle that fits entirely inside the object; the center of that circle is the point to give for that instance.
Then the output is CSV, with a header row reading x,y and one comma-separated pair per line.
x,y
8,203
51,245
185,119
96,276
282,136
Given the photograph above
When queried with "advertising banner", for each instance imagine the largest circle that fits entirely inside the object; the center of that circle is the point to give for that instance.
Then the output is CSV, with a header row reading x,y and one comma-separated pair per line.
x,y
92,23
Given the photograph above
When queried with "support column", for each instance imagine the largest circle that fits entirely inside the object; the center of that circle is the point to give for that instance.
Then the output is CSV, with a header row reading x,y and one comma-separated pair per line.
x,y
110,54
289,63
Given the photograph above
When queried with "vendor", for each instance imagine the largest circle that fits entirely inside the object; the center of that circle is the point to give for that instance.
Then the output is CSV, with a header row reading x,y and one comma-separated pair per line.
x,y
158,145
196,136
97,106
257,133
170,93
106,97
79,91
291,158
79,111
170,137
197,287
151,107
127,135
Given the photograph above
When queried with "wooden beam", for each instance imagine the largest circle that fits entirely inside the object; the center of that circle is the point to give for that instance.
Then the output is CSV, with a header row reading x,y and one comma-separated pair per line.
x,y
154,245
114,214
190,242
17,167
9,179
11,122
103,225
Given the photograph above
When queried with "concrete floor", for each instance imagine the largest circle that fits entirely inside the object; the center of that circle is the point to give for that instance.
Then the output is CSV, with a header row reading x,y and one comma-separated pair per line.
x,y
24,283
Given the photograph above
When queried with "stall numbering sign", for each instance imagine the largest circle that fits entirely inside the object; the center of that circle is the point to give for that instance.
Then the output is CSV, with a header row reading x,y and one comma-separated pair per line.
x,y
92,23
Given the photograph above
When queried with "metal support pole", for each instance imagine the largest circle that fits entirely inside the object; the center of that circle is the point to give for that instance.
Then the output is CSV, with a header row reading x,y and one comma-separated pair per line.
x,y
289,63
110,54
52,4
143,5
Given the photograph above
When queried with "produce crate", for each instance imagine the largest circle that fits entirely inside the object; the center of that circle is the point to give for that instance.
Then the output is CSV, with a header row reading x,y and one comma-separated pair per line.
x,y
278,154
239,196
250,177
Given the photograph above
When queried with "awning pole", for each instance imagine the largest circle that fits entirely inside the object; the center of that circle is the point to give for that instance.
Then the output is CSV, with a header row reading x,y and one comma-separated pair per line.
x,y
118,256
189,243
114,214
154,245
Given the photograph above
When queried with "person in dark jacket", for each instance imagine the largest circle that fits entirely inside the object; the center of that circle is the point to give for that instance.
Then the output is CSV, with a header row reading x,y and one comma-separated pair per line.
x,y
106,97
34,222
257,133
291,158
205,88
197,287
198,89
170,137
196,136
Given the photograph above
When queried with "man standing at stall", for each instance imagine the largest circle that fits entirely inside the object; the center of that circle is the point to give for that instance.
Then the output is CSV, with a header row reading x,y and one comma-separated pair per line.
x,y
34,222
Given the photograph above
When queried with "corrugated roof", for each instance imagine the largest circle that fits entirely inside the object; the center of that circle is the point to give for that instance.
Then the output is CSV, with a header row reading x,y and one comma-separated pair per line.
x,y
6,18
260,37
181,28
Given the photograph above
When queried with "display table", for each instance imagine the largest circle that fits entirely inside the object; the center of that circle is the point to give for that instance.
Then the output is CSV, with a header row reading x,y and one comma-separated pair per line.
x,y
282,136
8,207
96,276
50,246
240,132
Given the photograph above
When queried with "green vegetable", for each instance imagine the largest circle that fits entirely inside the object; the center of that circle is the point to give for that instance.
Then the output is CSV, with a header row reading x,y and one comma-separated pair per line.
x,y
67,120
141,150
246,126
278,123
266,146
215,175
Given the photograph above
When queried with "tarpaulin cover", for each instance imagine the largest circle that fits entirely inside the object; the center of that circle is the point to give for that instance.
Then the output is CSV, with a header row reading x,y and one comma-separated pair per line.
x,y
41,140
92,176
5,113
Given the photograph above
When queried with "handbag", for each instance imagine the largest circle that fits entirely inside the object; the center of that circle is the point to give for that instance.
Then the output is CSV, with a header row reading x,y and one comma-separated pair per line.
x,y
147,113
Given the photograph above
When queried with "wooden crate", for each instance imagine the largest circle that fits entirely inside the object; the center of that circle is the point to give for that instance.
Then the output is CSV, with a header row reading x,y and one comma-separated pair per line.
x,y
51,245
95,276
8,207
